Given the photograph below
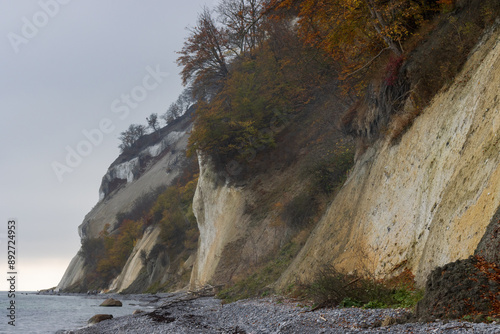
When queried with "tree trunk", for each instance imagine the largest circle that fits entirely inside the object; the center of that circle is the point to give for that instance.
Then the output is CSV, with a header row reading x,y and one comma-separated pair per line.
x,y
379,24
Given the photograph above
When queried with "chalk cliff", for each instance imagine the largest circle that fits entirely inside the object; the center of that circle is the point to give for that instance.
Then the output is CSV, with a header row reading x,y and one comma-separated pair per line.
x,y
426,200
127,179
232,241
417,203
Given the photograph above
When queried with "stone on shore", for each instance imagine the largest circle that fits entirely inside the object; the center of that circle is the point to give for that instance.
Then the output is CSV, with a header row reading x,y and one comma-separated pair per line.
x,y
111,302
99,317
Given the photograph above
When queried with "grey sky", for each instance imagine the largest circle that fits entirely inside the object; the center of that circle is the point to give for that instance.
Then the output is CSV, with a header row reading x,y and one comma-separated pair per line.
x,y
61,81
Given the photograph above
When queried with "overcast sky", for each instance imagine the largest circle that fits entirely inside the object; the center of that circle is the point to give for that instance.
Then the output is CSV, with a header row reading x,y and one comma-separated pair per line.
x,y
63,65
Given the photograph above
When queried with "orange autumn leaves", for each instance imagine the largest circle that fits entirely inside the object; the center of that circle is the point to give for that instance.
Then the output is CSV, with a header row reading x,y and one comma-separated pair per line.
x,y
353,31
251,58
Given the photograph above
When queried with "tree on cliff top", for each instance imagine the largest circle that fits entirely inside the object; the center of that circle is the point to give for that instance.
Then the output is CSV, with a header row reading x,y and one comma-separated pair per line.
x,y
153,122
131,135
236,32
203,57
243,20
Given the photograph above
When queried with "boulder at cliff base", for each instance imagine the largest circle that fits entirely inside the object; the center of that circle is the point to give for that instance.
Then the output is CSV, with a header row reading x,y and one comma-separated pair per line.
x,y
111,302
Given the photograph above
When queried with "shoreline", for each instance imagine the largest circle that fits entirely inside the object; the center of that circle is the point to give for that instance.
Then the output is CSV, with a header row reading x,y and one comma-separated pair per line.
x,y
134,296
183,313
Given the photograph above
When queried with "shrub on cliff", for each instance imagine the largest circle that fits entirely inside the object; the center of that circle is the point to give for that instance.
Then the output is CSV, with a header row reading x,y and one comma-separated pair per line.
x,y
331,171
118,248
246,85
332,288
245,116
173,212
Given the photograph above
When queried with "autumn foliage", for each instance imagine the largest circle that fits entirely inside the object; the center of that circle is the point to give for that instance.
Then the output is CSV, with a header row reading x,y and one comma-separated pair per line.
x,y
354,31
251,59
466,289
492,271
268,71
118,248
242,116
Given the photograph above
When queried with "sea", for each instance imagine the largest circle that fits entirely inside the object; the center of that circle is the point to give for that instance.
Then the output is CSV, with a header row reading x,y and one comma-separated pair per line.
x,y
52,313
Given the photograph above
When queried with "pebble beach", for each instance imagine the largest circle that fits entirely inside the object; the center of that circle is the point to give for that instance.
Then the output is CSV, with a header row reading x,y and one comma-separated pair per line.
x,y
182,313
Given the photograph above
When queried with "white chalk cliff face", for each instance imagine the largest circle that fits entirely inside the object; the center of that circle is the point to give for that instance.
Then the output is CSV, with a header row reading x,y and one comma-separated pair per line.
x,y
134,264
165,160
73,274
128,170
231,241
219,211
428,199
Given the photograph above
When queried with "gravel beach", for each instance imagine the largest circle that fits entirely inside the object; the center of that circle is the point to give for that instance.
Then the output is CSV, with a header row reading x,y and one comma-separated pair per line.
x,y
181,313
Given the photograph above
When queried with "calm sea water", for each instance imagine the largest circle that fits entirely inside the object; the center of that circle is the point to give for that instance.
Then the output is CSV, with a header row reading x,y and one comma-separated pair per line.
x,y
48,314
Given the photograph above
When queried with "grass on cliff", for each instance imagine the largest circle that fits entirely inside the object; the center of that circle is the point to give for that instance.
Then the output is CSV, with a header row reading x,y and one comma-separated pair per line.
x,y
257,284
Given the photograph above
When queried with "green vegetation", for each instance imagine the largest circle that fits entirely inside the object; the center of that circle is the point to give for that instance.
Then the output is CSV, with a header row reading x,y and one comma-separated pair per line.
x,y
353,32
257,80
331,171
243,76
332,288
299,212
105,256
257,283
464,288
173,211
92,251
241,118
247,62
459,31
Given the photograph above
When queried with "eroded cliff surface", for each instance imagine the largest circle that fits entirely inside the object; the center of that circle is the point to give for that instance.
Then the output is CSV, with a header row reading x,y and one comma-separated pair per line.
x,y
233,241
426,200
134,264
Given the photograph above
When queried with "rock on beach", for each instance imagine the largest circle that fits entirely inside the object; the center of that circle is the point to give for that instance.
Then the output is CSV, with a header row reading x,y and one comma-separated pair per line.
x,y
99,317
110,302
